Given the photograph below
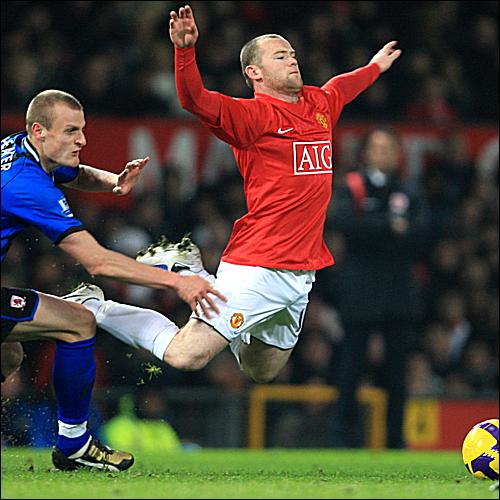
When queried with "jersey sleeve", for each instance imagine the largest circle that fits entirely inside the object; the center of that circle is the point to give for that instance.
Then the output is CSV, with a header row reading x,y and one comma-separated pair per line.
x,y
346,87
63,175
45,208
238,122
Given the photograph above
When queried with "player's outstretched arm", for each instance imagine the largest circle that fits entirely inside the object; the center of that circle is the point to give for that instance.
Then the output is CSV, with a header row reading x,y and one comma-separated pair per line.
x,y
100,261
386,56
182,28
350,85
98,180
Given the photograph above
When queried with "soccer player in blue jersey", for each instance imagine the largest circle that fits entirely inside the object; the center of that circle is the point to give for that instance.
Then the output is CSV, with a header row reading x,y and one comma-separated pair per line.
x,y
33,164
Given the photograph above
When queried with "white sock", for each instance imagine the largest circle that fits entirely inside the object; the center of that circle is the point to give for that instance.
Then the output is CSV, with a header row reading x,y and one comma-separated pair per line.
x,y
92,305
137,327
71,430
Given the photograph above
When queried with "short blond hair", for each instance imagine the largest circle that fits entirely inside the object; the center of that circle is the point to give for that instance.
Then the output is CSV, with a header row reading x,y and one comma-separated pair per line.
x,y
250,54
41,107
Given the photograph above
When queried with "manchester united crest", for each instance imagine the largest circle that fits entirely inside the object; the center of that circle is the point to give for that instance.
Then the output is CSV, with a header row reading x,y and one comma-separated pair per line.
x,y
237,319
321,119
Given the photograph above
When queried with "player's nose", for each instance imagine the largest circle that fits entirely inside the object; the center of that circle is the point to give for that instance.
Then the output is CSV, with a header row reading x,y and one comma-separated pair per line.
x,y
81,140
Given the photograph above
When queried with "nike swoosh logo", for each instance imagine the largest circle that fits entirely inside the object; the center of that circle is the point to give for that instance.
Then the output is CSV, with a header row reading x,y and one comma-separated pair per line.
x,y
284,131
179,267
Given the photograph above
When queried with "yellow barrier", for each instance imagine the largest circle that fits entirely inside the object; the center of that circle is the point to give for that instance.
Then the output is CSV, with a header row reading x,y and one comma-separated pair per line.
x,y
261,394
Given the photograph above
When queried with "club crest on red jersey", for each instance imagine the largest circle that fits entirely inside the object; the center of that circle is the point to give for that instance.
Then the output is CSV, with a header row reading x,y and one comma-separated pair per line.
x,y
321,119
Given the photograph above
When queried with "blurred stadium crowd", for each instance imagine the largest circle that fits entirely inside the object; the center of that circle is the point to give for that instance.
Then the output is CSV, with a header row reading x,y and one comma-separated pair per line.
x,y
115,56
117,59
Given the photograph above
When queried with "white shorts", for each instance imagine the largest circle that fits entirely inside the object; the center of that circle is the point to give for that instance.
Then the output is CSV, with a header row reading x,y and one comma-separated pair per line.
x,y
268,304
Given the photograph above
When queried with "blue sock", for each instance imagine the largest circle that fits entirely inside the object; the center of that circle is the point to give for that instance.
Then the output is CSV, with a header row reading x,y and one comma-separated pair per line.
x,y
73,377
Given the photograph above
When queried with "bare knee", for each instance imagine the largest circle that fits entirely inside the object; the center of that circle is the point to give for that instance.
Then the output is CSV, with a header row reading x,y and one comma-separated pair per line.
x,y
186,361
12,357
262,378
260,375
262,363
84,325
194,346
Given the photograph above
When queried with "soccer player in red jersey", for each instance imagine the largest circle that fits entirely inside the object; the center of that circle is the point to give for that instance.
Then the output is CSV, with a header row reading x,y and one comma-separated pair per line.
x,y
282,142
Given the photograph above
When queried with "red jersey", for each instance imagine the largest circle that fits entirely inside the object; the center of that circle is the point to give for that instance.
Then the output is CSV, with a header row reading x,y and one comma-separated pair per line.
x,y
284,154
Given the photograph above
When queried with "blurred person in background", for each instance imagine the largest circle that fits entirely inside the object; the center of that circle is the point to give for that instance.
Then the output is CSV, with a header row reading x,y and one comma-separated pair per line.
x,y
456,344
33,163
421,381
432,104
448,178
384,225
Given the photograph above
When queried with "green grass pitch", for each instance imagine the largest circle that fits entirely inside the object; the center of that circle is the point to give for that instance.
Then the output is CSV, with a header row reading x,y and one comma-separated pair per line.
x,y
28,473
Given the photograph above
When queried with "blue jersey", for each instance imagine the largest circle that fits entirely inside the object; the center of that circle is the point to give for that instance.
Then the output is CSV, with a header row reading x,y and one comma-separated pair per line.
x,y
30,196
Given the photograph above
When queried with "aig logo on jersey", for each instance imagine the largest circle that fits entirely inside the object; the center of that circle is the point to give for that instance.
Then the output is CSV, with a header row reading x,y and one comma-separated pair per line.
x,y
63,203
312,158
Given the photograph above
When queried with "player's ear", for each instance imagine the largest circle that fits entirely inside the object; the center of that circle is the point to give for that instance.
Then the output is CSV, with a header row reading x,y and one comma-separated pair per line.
x,y
253,72
38,131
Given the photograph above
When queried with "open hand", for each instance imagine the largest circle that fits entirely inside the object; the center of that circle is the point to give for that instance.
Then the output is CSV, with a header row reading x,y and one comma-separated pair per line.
x,y
182,28
199,294
130,176
386,56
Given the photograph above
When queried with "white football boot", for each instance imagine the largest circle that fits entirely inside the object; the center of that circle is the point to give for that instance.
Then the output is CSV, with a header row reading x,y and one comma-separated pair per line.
x,y
85,292
183,257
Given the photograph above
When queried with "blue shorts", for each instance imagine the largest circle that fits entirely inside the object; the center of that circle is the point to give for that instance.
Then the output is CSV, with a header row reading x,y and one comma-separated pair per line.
x,y
18,305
